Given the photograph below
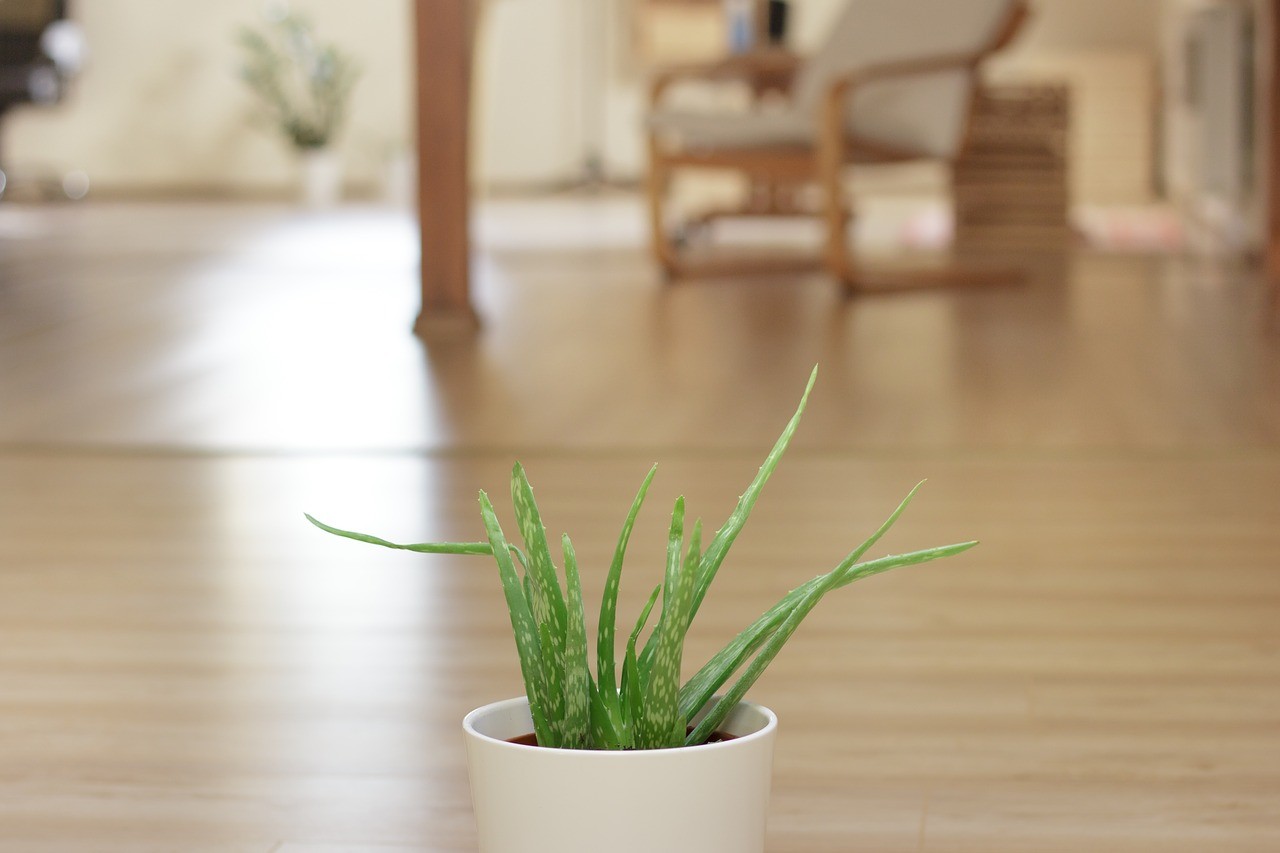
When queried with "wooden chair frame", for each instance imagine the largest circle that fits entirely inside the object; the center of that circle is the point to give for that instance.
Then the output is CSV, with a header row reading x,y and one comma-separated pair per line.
x,y
821,163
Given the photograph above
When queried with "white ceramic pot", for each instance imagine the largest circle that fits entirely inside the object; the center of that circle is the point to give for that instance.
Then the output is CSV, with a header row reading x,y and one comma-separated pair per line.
x,y
321,177
698,799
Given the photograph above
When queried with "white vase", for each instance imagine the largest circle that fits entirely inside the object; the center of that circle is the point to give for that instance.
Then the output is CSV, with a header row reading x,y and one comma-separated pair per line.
x,y
321,177
699,799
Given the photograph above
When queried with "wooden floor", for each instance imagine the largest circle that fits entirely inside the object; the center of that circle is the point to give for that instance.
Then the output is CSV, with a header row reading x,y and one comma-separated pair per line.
x,y
186,665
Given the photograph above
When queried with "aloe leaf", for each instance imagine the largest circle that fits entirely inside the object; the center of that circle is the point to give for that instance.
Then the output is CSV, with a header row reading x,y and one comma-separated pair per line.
x,y
659,681
522,624
699,689
770,650
810,595
553,677
675,548
719,546
663,679
465,548
609,701
549,607
629,675
526,584
632,698
631,687
471,548
577,673
724,663
547,601
605,728
643,618
692,560
605,640
616,721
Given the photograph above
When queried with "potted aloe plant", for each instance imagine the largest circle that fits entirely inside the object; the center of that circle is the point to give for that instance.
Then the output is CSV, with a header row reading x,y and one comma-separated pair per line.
x,y
627,758
302,86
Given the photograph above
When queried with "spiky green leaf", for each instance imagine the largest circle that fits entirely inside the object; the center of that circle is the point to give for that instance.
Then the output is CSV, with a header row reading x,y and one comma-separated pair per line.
x,y
547,599
728,532
692,560
724,663
631,688
606,650
606,721
468,548
656,675
662,716
632,697
577,675
548,605
811,594
522,624
553,677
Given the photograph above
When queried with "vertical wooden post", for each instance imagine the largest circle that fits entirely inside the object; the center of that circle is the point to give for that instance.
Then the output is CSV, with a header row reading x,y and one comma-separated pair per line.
x,y
1273,157
443,33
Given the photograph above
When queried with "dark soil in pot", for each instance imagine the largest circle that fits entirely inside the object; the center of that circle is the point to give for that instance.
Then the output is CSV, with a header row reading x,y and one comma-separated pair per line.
x,y
531,739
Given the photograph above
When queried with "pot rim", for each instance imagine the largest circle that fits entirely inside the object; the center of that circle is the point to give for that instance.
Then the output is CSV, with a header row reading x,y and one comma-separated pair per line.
x,y
468,728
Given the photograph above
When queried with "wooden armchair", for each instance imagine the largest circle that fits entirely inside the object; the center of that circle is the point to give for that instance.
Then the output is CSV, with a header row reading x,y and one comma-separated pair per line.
x,y
893,83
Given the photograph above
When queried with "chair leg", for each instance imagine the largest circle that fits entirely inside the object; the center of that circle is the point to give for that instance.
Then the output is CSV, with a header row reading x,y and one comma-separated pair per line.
x,y
836,215
838,257
839,260
656,185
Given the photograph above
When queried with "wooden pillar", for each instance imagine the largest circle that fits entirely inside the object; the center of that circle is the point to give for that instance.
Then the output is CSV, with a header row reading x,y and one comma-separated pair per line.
x,y
443,35
1273,155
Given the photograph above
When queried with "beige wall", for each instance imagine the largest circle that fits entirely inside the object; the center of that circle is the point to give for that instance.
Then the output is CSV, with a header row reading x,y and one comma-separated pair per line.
x,y
1107,51
159,106
527,92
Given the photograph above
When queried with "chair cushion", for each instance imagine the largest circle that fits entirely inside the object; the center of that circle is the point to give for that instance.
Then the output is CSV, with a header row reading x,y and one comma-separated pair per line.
x,y
761,127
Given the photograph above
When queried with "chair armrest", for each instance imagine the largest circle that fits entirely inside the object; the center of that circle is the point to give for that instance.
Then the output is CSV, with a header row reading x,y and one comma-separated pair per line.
x,y
772,67
840,86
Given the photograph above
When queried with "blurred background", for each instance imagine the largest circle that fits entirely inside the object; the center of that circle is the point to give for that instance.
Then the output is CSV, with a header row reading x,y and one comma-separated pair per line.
x,y
1162,99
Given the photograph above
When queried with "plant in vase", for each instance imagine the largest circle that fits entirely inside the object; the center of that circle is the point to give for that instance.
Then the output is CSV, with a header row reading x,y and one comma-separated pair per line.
x,y
627,758
302,87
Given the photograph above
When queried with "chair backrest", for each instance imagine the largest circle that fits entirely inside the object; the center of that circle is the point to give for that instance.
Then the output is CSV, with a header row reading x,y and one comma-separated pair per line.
x,y
925,113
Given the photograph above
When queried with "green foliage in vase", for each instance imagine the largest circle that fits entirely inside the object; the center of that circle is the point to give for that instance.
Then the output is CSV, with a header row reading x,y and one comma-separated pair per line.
x,y
302,84
642,706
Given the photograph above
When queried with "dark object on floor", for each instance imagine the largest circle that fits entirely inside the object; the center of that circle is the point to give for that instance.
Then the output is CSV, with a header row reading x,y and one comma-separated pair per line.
x,y
777,21
40,50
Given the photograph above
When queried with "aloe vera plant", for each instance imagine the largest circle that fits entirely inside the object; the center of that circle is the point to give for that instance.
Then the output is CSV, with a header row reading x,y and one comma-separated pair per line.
x,y
643,706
